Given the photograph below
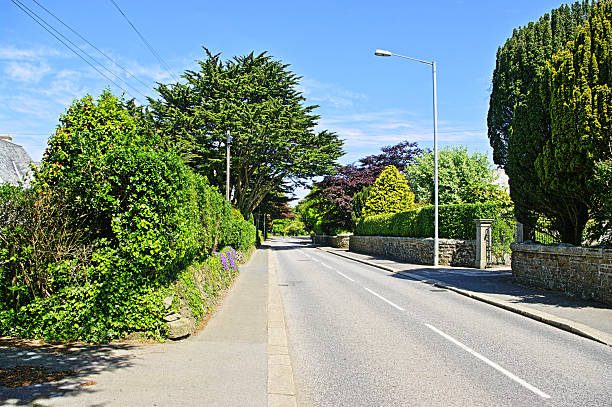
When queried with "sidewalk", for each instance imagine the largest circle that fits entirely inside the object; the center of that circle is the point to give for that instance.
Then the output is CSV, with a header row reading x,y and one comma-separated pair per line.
x,y
225,364
496,287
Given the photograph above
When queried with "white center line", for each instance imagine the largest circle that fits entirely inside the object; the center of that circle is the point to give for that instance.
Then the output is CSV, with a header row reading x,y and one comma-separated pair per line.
x,y
344,275
489,362
384,299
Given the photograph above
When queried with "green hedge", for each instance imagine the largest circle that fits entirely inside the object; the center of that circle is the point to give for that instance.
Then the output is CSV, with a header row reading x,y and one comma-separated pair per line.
x,y
112,221
454,221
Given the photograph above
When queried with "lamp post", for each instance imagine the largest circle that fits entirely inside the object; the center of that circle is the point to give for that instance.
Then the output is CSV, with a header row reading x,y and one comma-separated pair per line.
x,y
227,165
385,53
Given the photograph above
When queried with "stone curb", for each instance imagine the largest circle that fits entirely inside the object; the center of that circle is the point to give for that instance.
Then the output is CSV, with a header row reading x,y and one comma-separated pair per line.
x,y
281,388
558,322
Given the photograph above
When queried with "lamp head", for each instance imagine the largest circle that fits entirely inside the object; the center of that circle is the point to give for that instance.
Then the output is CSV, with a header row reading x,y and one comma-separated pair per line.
x,y
383,53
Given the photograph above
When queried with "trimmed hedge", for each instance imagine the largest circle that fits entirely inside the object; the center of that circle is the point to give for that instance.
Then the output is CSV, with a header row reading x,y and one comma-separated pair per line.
x,y
454,221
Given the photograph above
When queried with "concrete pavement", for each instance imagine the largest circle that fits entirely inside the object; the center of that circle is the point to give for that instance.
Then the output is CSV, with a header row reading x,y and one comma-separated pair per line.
x,y
496,287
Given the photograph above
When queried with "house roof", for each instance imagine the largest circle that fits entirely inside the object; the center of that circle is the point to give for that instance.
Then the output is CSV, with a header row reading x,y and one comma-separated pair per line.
x,y
14,163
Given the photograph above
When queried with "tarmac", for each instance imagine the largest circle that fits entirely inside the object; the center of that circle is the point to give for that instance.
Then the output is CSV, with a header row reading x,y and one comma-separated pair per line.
x,y
497,287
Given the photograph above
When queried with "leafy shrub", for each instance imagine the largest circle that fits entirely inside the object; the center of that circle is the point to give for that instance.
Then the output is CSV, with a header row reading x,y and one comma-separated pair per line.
x,y
111,222
389,194
288,227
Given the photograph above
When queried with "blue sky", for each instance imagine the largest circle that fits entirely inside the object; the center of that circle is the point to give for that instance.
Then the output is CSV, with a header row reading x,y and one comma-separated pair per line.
x,y
369,101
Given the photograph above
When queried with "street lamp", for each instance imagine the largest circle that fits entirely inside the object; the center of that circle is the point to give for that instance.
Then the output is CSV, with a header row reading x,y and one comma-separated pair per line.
x,y
385,53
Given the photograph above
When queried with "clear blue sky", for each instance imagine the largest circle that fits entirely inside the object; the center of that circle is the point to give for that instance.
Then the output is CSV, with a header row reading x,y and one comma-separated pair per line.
x,y
369,101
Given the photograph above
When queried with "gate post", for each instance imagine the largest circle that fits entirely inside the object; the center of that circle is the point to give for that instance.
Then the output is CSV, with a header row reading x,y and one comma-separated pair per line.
x,y
483,242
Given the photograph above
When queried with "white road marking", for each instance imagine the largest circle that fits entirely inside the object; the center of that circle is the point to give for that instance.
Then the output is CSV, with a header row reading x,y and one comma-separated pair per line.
x,y
384,299
326,265
489,362
344,275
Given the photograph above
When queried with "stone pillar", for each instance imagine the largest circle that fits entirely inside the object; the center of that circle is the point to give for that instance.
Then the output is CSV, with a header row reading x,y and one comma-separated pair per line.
x,y
519,233
481,244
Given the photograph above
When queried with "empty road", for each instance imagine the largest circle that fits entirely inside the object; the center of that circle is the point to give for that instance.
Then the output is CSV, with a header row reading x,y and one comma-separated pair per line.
x,y
361,336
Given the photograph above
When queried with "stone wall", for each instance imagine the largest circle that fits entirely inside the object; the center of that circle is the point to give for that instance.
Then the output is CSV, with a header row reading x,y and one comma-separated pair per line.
x,y
577,271
339,241
451,252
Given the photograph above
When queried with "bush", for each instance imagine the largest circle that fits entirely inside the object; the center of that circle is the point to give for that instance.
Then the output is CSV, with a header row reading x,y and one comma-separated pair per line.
x,y
454,221
389,194
111,222
288,227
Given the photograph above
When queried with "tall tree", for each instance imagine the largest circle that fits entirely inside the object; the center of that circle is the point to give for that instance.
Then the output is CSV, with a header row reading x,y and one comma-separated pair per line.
x,y
255,99
581,116
519,116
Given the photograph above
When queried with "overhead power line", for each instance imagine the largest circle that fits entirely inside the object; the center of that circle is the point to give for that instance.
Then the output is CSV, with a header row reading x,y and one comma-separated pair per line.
x,y
51,30
148,45
124,69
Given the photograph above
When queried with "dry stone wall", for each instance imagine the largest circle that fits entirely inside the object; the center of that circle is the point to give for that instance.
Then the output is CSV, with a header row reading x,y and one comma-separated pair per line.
x,y
339,241
451,252
577,271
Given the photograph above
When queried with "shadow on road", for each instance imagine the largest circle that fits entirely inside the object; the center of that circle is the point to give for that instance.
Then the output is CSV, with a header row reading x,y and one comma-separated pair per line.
x,y
26,365
499,283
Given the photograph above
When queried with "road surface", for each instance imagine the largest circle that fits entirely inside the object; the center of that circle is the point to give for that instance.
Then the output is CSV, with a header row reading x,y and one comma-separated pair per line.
x,y
361,336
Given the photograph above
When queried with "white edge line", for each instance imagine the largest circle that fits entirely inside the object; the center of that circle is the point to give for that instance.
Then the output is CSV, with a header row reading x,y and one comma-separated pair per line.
x,y
384,299
489,362
344,275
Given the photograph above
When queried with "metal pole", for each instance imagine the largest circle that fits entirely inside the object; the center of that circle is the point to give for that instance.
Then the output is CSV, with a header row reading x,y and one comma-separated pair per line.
x,y
227,166
435,120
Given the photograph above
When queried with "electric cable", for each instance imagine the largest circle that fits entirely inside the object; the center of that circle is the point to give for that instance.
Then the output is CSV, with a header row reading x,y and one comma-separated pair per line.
x,y
149,46
92,45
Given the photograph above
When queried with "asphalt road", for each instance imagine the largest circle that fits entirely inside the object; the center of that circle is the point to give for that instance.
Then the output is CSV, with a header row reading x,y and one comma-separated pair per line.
x,y
361,336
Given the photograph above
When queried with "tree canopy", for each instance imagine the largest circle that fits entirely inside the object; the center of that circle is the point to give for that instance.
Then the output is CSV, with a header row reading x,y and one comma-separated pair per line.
x,y
330,202
463,178
255,99
548,115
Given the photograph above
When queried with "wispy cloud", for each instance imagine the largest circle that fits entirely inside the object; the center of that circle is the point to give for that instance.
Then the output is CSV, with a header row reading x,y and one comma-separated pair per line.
x,y
329,94
26,71
9,52
372,130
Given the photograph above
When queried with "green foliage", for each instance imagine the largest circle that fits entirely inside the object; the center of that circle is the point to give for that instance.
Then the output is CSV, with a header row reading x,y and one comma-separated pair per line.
x,y
581,117
256,99
456,221
549,117
358,203
389,194
288,227
462,178
113,220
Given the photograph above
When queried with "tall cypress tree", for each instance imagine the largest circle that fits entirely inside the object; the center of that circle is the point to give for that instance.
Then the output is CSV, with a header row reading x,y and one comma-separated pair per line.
x,y
519,115
580,78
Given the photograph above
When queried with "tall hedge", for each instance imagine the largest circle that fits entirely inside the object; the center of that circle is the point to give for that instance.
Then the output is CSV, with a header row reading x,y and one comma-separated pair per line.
x,y
111,221
455,221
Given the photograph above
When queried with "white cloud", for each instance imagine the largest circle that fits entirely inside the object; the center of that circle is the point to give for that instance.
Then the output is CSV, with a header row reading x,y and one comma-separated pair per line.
x,y
26,71
372,130
328,94
12,53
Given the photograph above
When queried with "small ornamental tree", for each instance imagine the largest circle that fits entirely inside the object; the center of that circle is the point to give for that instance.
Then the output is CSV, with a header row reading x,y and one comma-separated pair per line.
x,y
389,194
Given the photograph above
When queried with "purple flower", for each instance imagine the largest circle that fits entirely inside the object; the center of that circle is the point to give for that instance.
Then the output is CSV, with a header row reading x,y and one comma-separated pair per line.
x,y
223,261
